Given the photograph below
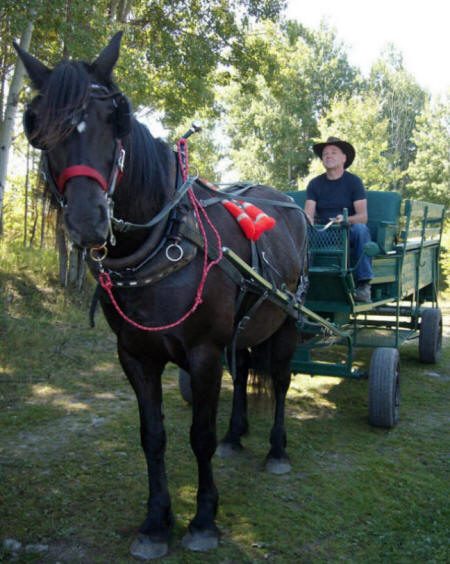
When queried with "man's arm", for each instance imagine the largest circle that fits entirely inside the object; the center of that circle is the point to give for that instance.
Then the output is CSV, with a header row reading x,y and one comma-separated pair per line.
x,y
310,210
360,215
360,212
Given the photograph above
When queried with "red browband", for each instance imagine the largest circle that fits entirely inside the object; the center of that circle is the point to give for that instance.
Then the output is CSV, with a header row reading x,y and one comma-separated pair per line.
x,y
80,170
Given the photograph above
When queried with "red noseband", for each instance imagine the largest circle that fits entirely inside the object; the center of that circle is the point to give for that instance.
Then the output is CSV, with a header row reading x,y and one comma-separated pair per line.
x,y
80,170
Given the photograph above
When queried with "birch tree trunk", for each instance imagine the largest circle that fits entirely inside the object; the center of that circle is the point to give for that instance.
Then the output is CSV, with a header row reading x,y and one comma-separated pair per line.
x,y
7,126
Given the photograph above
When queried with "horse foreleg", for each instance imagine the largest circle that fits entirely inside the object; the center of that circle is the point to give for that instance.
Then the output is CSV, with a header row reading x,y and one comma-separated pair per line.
x,y
145,378
282,348
238,426
205,368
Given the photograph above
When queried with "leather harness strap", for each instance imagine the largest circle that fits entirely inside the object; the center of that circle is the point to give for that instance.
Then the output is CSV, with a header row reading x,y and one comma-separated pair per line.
x,y
80,170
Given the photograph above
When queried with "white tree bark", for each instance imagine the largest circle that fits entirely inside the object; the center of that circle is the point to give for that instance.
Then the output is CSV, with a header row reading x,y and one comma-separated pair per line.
x,y
7,126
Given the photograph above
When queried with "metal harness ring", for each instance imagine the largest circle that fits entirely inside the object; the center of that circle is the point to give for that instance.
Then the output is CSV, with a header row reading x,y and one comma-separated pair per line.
x,y
178,252
98,257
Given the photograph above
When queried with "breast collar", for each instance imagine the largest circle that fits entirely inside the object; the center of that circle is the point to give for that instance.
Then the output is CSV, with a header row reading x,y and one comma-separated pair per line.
x,y
172,253
165,251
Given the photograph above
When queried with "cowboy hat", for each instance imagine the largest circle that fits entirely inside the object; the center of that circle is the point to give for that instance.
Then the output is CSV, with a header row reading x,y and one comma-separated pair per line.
x,y
345,147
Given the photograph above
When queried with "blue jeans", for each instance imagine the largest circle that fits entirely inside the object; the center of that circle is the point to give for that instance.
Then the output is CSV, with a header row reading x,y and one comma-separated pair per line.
x,y
359,236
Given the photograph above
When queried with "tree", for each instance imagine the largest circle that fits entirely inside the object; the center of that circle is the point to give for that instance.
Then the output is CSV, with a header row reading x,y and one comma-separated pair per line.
x,y
402,101
429,173
272,111
8,114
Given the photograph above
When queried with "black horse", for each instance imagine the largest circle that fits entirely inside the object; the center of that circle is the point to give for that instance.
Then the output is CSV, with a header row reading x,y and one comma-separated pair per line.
x,y
168,291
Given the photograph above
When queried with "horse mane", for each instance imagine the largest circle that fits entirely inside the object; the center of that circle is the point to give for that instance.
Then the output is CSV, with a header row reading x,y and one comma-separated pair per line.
x,y
66,92
149,172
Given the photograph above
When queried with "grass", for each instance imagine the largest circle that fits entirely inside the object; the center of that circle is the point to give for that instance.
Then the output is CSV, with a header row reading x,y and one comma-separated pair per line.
x,y
73,475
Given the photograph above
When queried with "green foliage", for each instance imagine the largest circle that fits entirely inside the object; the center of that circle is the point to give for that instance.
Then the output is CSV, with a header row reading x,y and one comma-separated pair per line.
x,y
272,113
171,48
402,101
429,173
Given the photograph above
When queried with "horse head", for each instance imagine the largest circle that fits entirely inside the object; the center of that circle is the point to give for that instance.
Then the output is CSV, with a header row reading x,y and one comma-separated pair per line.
x,y
79,119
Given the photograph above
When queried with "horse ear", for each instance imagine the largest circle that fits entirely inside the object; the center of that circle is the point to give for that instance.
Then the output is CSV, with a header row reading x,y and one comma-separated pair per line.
x,y
36,70
107,59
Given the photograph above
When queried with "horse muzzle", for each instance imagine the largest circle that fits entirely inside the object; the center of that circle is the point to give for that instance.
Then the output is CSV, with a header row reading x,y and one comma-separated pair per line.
x,y
87,230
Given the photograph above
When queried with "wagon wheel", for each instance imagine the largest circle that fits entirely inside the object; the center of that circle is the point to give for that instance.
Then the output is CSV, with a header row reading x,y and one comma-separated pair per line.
x,y
384,387
430,336
184,383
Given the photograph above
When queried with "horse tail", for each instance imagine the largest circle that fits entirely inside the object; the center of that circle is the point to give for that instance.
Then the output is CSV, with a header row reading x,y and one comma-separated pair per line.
x,y
260,377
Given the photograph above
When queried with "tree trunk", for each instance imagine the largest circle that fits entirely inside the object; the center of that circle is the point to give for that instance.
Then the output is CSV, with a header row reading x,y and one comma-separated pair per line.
x,y
7,126
62,249
43,220
27,192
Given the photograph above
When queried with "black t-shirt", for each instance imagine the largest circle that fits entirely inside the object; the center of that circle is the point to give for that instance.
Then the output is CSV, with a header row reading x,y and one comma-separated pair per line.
x,y
332,196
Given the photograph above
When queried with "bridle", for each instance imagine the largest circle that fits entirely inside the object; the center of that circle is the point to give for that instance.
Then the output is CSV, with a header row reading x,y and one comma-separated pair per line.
x,y
122,114
57,186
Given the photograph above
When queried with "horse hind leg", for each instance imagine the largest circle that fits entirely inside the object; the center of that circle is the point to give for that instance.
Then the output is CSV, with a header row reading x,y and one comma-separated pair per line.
x,y
283,344
238,425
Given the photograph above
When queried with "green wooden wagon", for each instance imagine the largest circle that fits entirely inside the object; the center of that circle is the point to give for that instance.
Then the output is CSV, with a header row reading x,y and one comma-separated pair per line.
x,y
406,239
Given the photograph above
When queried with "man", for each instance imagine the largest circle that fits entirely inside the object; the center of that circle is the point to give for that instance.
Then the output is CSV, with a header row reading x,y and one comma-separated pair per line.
x,y
328,194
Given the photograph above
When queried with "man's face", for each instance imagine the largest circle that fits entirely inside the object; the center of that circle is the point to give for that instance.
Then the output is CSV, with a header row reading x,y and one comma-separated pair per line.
x,y
333,157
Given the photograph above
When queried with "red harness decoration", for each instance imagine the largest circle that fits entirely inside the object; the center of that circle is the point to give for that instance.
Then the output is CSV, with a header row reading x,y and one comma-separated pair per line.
x,y
89,172
199,211
243,219
261,221
80,170
252,220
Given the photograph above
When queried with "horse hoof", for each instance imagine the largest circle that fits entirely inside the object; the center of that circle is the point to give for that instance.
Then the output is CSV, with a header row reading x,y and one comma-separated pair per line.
x,y
227,450
145,549
200,541
277,466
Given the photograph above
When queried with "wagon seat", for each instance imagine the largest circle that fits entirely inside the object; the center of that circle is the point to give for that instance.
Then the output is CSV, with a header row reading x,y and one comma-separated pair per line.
x,y
330,254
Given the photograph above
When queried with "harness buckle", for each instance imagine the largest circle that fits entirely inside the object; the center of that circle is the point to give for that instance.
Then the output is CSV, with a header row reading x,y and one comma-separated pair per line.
x,y
121,160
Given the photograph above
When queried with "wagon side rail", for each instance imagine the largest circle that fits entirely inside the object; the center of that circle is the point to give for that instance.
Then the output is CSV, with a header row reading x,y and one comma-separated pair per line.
x,y
421,233
423,224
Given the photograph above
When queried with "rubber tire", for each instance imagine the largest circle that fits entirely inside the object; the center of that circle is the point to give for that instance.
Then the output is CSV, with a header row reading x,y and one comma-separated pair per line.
x,y
384,387
184,383
430,336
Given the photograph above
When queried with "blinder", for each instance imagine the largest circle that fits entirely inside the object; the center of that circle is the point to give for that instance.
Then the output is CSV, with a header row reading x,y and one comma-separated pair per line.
x,y
121,120
122,116
30,124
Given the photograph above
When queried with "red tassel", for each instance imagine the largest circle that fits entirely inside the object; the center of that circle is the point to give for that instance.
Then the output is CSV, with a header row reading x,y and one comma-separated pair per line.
x,y
245,223
262,221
